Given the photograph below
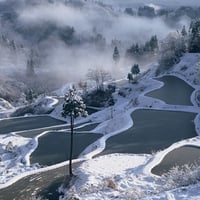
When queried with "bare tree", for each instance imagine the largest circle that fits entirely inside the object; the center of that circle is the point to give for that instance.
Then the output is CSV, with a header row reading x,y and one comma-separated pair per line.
x,y
99,76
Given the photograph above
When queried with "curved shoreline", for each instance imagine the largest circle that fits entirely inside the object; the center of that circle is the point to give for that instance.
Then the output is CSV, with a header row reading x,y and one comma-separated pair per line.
x,y
176,157
126,111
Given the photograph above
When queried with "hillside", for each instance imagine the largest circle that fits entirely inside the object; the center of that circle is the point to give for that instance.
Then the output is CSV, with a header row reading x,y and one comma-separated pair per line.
x,y
129,176
95,180
136,65
30,31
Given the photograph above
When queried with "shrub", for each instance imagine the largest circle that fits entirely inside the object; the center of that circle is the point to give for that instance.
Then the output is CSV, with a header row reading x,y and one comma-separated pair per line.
x,y
180,176
100,98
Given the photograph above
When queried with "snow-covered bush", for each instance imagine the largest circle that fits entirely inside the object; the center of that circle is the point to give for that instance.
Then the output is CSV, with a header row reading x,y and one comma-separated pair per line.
x,y
11,90
181,176
172,48
100,98
5,105
197,97
124,91
40,106
134,194
9,147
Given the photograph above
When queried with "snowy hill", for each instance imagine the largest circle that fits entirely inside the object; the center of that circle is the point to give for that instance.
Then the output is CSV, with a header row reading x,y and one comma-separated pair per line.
x,y
58,31
122,176
46,46
129,176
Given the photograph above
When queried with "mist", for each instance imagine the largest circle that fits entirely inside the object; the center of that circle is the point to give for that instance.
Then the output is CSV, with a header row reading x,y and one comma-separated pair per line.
x,y
71,62
111,25
165,3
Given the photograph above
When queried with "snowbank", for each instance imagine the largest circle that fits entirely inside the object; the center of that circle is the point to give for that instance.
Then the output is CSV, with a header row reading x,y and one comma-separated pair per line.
x,y
5,105
13,162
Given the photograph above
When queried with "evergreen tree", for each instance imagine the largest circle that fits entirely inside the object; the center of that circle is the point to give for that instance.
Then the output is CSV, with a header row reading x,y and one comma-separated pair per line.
x,y
30,68
13,45
146,11
30,71
183,31
130,77
116,55
129,11
73,107
194,37
147,47
134,51
100,41
135,69
29,95
130,51
137,49
153,43
67,34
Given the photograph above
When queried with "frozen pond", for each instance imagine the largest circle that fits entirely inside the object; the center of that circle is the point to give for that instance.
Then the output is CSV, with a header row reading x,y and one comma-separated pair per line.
x,y
178,157
153,130
27,123
54,147
175,91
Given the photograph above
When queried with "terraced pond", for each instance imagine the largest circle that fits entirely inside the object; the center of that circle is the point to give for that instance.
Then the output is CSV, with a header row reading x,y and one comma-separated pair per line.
x,y
178,157
27,123
54,147
175,91
153,130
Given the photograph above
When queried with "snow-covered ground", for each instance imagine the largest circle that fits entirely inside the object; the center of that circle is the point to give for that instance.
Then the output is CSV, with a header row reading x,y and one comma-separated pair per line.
x,y
115,175
13,160
128,176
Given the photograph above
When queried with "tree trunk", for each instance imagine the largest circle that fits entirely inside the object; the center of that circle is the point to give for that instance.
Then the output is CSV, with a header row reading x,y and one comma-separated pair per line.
x,y
71,146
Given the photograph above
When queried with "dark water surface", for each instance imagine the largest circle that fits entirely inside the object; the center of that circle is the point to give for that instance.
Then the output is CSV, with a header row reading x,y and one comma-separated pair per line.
x,y
152,131
156,130
54,147
27,123
175,91
178,157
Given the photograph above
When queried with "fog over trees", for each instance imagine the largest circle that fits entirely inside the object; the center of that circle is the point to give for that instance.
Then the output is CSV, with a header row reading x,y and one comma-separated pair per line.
x,y
67,38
